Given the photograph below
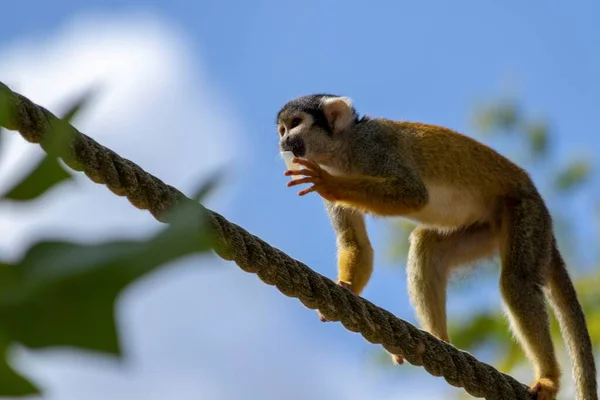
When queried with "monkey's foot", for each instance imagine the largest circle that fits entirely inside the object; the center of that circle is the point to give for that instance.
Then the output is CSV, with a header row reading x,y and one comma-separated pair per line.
x,y
397,359
543,389
345,285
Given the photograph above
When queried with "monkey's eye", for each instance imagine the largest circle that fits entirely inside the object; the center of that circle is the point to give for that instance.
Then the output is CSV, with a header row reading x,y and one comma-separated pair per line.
x,y
281,130
295,122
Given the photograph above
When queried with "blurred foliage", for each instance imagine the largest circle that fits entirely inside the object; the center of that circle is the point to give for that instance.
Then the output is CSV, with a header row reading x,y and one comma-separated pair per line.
x,y
506,120
63,293
573,175
504,114
46,175
5,108
79,103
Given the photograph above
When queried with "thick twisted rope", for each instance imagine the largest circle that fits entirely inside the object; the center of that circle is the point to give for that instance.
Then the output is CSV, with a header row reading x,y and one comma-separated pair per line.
x,y
250,253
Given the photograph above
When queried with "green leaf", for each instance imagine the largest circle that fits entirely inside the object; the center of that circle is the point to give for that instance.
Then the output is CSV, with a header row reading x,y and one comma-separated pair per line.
x,y
46,175
480,328
64,292
504,115
6,110
208,185
64,296
484,121
573,175
13,384
62,135
79,103
511,356
538,135
58,142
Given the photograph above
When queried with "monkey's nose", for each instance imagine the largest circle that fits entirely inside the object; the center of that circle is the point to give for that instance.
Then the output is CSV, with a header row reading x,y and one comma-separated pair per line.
x,y
295,144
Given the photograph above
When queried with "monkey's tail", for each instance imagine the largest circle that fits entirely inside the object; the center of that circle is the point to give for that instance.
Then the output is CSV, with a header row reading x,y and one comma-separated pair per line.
x,y
573,326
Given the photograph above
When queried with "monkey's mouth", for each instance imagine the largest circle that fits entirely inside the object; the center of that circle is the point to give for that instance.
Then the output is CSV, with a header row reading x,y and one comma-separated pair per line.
x,y
295,144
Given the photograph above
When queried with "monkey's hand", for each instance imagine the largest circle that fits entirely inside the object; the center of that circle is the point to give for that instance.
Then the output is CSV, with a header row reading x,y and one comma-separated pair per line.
x,y
397,194
322,182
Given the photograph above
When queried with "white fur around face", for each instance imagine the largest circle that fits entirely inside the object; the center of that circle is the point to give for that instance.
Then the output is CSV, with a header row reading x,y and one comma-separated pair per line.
x,y
346,100
307,121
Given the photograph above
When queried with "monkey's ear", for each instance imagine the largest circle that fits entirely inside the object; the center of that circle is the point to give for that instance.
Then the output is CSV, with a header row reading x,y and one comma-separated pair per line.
x,y
339,112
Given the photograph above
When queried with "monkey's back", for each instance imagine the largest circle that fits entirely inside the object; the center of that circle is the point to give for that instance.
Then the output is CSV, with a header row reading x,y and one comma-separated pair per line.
x,y
444,155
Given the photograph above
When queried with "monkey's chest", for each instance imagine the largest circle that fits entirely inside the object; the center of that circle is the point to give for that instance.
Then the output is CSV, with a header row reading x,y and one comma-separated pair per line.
x,y
451,207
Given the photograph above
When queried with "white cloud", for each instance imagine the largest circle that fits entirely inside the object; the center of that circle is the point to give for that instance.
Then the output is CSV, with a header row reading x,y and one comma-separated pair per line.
x,y
155,106
191,333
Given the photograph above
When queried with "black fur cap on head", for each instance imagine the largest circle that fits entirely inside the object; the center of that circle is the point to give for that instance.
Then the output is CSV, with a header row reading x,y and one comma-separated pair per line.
x,y
311,104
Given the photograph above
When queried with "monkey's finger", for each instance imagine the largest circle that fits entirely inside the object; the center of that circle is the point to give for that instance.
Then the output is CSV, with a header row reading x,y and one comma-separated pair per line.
x,y
301,181
321,317
307,191
346,285
307,163
307,172
397,359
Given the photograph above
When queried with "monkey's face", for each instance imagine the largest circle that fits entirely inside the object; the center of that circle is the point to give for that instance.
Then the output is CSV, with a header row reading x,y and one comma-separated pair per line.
x,y
313,127
299,134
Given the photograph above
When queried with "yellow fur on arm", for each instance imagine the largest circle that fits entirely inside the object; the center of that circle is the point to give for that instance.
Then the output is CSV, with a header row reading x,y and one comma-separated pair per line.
x,y
355,265
378,195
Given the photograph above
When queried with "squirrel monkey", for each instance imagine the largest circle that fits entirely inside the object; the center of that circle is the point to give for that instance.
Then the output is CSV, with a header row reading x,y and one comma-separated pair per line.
x,y
470,203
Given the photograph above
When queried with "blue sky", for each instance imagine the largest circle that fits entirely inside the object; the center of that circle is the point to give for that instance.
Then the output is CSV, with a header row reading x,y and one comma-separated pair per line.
x,y
212,75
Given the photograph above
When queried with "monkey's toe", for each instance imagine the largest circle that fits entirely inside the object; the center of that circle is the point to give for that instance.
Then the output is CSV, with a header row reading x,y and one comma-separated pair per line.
x,y
343,284
543,389
346,285
321,316
397,359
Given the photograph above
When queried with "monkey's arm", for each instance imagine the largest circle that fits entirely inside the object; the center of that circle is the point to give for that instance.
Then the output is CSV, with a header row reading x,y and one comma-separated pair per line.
x,y
379,195
354,251
395,192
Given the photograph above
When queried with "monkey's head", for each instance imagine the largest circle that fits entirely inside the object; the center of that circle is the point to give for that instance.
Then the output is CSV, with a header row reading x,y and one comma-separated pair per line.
x,y
314,126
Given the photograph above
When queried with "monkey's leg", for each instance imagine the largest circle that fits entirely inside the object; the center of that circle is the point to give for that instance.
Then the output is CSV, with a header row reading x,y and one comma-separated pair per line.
x,y
354,251
431,256
525,249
